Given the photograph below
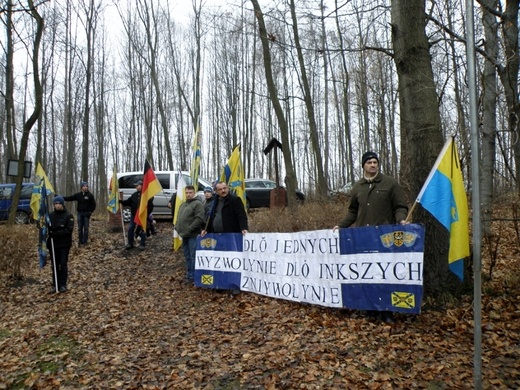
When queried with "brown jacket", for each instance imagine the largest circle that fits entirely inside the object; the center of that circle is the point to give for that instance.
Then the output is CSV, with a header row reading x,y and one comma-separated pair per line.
x,y
379,202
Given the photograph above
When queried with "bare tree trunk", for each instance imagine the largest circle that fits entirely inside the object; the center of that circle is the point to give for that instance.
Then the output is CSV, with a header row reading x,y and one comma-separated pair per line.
x,y
197,65
421,133
509,76
345,98
251,107
38,99
326,136
489,106
9,83
290,179
101,131
68,128
149,20
90,30
362,83
313,129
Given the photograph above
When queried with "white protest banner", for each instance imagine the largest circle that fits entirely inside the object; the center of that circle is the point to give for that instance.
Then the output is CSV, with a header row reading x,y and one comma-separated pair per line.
x,y
369,268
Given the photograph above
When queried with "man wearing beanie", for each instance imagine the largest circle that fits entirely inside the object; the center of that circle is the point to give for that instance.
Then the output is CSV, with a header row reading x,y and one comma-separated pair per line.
x,y
59,242
209,197
86,206
376,199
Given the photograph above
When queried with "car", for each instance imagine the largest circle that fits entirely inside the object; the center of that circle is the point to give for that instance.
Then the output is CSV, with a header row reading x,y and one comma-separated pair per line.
x,y
342,191
258,193
23,211
168,180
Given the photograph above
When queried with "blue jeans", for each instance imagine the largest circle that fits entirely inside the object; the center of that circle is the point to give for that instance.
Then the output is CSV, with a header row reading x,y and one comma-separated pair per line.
x,y
83,224
189,246
131,232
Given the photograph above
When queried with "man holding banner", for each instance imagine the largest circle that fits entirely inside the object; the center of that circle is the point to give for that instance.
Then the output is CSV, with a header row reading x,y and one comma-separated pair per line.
x,y
376,199
228,214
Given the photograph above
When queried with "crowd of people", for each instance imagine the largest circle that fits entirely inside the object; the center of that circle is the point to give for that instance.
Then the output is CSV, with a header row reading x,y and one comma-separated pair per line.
x,y
376,199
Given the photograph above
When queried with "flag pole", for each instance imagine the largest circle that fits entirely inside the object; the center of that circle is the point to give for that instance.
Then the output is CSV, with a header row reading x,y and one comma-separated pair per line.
x,y
411,212
120,195
122,224
475,180
54,269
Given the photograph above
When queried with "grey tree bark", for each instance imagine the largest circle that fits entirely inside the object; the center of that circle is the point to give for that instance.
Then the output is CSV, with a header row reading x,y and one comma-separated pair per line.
x,y
290,178
321,185
489,117
90,31
509,77
148,16
421,133
38,98
9,83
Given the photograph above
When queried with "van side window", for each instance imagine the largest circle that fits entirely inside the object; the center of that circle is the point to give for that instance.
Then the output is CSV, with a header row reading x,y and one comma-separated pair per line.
x,y
128,181
164,179
26,192
200,186
5,193
187,179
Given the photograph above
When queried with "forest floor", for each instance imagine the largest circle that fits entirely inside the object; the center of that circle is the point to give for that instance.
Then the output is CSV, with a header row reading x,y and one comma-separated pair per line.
x,y
129,321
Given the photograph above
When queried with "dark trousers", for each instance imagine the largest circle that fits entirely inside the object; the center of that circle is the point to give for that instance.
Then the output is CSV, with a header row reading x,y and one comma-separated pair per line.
x,y
189,247
132,229
83,224
61,258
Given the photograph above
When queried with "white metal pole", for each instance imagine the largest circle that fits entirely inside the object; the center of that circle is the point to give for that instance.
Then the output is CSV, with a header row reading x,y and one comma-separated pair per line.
x,y
55,270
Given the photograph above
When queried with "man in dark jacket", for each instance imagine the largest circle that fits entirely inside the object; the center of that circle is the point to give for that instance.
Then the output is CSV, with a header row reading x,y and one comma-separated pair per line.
x,y
376,199
228,214
59,242
190,222
86,206
134,201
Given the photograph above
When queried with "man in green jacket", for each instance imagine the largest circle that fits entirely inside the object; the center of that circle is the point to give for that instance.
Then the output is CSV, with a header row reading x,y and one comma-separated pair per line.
x,y
376,199
190,222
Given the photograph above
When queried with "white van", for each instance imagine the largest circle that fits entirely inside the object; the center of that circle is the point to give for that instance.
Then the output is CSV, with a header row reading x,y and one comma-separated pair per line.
x,y
168,180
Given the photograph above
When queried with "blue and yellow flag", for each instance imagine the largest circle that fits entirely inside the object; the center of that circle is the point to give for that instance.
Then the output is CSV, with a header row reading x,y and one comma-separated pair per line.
x,y
113,197
233,175
443,195
39,178
195,158
43,223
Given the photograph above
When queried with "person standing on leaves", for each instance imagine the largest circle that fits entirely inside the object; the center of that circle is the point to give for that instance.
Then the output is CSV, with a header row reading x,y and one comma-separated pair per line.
x,y
376,199
133,202
150,223
227,215
190,222
86,206
59,242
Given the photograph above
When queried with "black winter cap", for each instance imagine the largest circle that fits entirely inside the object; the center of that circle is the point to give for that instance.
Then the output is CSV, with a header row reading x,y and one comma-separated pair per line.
x,y
367,156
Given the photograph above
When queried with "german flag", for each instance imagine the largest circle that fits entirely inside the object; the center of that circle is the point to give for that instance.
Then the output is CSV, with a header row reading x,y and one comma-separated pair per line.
x,y
151,187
